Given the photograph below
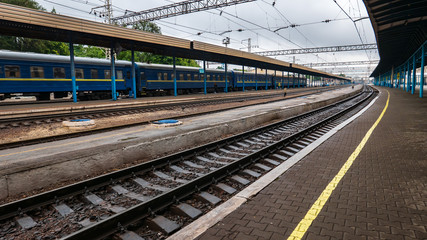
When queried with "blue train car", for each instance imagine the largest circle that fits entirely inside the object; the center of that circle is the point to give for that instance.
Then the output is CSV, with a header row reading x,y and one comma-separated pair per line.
x,y
40,75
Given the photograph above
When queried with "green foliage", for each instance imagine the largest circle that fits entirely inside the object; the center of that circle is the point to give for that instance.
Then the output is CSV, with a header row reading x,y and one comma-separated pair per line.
x,y
28,44
89,51
61,48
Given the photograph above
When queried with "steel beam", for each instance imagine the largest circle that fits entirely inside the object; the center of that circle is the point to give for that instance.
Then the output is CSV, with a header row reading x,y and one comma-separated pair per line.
x,y
319,50
422,70
113,74
133,75
175,9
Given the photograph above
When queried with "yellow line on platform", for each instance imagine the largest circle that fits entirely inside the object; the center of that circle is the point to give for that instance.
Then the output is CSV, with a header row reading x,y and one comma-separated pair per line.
x,y
315,209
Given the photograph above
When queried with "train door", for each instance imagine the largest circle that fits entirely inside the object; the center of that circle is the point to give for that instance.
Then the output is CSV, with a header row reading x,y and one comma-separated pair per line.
x,y
141,82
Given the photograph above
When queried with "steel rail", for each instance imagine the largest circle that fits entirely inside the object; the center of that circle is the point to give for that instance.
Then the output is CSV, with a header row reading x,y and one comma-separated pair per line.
x,y
111,225
27,204
28,142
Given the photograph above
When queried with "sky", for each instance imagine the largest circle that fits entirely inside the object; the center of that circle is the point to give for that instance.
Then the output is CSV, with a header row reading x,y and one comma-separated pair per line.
x,y
260,20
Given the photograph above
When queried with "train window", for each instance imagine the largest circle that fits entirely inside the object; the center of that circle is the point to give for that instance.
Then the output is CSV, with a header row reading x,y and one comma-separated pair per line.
x,y
208,77
142,75
94,73
58,72
159,76
181,76
107,74
119,74
220,77
172,76
165,76
202,76
196,76
79,73
37,72
188,76
12,71
127,75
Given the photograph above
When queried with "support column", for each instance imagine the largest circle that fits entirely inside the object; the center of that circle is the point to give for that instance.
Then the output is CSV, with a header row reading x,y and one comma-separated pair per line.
x,y
256,79
133,75
243,78
414,76
204,77
275,80
73,72
113,73
293,80
226,80
299,79
283,80
409,78
422,71
289,78
266,82
175,90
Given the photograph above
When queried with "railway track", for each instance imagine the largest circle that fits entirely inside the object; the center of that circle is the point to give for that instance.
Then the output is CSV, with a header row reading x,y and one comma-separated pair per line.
x,y
26,121
156,198
19,121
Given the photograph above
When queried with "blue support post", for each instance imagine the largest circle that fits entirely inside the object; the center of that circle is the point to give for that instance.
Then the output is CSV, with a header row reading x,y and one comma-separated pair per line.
x,y
175,91
266,86
113,74
133,75
204,77
409,78
73,73
404,78
414,76
256,79
293,80
243,78
299,81
283,81
288,80
275,80
226,80
422,71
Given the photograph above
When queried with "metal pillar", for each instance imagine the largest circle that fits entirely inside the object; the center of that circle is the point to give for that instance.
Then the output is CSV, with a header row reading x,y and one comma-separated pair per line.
x,y
288,80
175,90
243,78
283,80
275,80
266,86
293,80
133,75
226,80
73,73
299,81
414,76
422,71
256,79
113,73
204,77
409,78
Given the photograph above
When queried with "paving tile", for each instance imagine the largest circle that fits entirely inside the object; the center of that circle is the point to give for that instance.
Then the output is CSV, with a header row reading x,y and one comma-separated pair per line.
x,y
382,195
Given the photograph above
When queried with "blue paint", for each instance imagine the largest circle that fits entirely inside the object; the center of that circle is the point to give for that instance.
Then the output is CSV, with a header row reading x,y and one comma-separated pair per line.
x,y
422,70
133,75
113,74
175,92
73,72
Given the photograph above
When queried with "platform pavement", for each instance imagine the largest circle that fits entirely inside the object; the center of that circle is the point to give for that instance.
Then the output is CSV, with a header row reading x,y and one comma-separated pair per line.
x,y
382,196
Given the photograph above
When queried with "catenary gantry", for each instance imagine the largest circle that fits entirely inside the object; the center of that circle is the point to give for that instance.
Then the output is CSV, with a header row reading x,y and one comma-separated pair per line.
x,y
25,22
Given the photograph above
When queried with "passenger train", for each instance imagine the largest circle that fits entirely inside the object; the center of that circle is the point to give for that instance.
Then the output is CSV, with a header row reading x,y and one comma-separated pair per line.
x,y
39,75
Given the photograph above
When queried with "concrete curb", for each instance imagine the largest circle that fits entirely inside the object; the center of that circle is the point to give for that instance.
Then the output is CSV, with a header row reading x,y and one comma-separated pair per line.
x,y
19,176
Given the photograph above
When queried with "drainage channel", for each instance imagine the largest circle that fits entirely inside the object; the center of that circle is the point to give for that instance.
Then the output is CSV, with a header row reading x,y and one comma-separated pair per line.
x,y
156,198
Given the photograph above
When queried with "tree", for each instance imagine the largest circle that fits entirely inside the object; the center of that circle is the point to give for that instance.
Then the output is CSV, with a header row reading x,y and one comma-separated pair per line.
x,y
28,44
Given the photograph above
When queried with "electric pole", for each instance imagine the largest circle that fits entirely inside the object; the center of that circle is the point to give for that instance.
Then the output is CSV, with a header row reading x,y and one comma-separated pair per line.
x,y
105,11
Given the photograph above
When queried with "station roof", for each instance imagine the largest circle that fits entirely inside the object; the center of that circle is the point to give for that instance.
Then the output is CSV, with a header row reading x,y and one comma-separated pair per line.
x,y
25,22
400,28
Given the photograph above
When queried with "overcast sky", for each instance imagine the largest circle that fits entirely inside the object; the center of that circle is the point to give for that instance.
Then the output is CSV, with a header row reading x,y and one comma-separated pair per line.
x,y
258,20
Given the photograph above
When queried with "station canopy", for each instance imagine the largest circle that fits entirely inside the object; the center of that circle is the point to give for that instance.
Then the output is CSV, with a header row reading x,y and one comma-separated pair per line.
x,y
25,22
400,29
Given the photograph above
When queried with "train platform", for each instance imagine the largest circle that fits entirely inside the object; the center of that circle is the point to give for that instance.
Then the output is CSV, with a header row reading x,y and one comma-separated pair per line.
x,y
8,108
25,168
366,181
